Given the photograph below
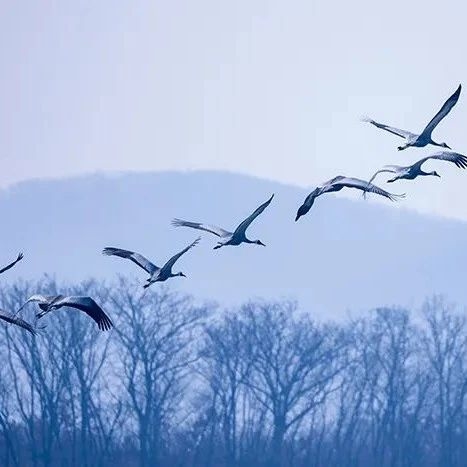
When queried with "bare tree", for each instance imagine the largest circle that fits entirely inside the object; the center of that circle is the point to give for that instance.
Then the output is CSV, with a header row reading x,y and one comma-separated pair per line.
x,y
225,365
390,387
294,365
39,384
86,350
262,385
157,332
445,347
9,430
57,378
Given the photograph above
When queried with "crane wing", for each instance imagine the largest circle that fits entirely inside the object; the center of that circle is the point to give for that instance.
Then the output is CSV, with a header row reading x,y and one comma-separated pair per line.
x,y
445,109
44,301
138,259
168,266
363,185
395,131
12,319
199,226
458,159
245,224
386,169
90,307
9,266
308,203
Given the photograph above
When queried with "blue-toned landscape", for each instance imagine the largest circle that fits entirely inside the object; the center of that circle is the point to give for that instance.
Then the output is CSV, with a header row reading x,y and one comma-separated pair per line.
x,y
233,234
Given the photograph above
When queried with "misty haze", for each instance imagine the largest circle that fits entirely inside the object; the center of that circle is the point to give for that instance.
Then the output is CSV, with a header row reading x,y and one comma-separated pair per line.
x,y
233,234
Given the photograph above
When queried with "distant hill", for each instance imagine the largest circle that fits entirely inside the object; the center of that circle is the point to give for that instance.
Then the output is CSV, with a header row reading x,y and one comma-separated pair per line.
x,y
344,255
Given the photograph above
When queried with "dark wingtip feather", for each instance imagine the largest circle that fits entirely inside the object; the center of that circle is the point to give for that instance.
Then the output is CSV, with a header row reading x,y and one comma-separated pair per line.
x,y
462,162
457,92
176,222
105,324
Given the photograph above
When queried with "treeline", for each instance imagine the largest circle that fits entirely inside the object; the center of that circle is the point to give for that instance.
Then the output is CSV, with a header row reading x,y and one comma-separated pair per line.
x,y
177,384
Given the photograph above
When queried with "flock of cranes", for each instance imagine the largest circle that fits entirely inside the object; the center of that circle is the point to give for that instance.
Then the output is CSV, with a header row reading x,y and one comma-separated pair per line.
x,y
48,303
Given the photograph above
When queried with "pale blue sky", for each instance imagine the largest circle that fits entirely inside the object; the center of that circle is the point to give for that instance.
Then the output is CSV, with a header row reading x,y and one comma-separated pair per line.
x,y
269,88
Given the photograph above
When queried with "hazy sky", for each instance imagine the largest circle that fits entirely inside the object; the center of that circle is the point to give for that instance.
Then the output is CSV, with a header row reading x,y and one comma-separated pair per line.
x,y
270,88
